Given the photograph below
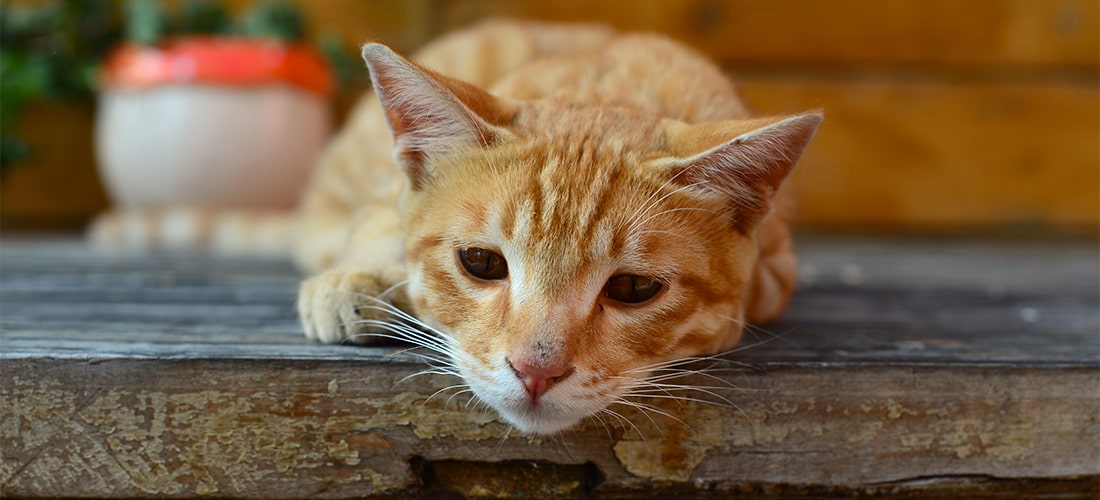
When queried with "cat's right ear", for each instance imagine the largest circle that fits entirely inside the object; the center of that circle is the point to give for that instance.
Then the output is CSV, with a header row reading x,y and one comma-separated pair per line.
x,y
743,161
431,114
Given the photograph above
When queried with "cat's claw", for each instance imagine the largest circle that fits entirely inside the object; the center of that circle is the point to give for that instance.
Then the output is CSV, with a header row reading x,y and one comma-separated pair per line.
x,y
341,305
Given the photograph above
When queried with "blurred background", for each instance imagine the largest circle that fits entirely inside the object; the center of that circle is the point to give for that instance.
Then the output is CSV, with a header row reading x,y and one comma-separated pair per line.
x,y
942,116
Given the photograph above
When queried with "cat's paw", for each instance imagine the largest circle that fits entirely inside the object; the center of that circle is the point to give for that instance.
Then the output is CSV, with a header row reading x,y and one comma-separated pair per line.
x,y
341,305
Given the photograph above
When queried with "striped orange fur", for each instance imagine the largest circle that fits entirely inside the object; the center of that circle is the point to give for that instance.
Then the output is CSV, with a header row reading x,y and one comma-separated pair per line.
x,y
565,207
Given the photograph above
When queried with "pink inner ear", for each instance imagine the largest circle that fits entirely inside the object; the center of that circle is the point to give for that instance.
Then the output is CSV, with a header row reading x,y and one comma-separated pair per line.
x,y
750,168
429,114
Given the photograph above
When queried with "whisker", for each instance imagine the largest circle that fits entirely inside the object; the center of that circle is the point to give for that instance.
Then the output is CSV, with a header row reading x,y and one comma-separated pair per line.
x,y
678,373
649,203
650,388
402,333
655,386
504,438
727,385
387,307
645,409
414,351
729,404
413,325
393,287
436,393
641,409
669,234
623,420
717,358
429,371
756,329
678,209
663,391
464,391
745,347
596,416
652,408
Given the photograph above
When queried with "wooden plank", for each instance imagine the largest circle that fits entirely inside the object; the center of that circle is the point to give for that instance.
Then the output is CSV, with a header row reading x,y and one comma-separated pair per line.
x,y
403,24
277,429
943,155
906,367
937,33
1027,33
906,300
58,186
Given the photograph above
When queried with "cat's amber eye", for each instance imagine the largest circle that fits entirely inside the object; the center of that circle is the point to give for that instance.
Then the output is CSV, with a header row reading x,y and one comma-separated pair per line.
x,y
631,289
483,264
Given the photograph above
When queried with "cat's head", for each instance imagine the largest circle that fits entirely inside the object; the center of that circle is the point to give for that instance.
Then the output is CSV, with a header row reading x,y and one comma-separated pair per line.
x,y
569,250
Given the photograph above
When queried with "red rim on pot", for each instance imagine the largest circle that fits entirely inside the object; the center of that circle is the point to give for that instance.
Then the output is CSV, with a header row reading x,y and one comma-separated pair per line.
x,y
218,61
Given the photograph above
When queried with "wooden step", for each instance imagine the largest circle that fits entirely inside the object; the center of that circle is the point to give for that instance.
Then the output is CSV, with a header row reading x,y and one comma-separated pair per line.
x,y
904,366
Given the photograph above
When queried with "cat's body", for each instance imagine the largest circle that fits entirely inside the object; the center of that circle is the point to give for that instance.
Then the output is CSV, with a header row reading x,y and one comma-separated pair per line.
x,y
599,211
608,206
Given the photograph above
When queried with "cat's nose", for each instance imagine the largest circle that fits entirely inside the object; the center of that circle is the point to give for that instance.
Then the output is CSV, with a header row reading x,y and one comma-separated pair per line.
x,y
538,379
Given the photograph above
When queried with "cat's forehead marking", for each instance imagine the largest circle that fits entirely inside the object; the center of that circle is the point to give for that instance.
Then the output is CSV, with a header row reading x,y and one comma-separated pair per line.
x,y
567,210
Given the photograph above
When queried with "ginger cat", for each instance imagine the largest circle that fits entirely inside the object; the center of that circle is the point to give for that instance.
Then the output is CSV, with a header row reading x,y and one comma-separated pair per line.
x,y
566,209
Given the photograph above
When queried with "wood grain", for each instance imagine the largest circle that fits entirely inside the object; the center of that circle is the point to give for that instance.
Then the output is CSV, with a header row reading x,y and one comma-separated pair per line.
x,y
941,115
1022,34
905,367
58,186
860,299
937,33
334,429
935,122
943,154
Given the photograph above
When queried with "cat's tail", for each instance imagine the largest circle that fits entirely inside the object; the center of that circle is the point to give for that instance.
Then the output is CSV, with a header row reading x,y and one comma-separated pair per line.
x,y
218,232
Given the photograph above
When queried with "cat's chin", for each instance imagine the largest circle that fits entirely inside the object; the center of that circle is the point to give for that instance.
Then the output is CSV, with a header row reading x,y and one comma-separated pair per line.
x,y
539,420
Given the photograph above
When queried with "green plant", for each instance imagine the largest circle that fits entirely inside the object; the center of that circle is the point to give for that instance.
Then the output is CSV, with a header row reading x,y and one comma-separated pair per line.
x,y
52,50
147,22
49,51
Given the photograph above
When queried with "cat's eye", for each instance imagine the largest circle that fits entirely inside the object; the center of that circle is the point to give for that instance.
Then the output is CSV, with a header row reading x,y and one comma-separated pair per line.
x,y
631,289
483,264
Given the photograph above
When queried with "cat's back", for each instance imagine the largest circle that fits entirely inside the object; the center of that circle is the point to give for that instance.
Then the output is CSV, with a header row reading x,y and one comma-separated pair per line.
x,y
645,71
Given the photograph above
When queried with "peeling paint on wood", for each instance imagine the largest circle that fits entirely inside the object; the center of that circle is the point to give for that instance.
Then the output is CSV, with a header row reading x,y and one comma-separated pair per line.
x,y
867,397
261,428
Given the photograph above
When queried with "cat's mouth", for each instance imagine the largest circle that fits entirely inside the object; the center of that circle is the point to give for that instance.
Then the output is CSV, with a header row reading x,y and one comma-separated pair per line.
x,y
558,408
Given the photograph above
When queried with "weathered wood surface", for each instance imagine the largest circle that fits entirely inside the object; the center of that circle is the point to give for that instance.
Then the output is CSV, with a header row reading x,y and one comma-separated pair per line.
x,y
907,366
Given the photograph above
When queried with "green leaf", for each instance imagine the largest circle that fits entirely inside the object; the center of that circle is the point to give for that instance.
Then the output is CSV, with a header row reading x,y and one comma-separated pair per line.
x,y
12,150
349,69
202,17
145,21
274,19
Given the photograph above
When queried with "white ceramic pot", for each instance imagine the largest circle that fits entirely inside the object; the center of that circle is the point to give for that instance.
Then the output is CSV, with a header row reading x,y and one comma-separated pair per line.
x,y
211,123
213,146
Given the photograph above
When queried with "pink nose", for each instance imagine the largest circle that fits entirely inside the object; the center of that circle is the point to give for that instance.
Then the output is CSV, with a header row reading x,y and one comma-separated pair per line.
x,y
539,379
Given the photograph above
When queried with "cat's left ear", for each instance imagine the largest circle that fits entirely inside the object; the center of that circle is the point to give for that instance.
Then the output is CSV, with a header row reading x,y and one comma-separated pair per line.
x,y
431,114
743,161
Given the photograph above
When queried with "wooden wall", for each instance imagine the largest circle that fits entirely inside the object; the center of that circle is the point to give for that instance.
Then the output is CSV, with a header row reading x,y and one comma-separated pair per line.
x,y
941,115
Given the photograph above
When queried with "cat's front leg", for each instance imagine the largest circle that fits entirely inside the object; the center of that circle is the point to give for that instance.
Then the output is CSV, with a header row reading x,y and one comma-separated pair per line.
x,y
346,304
364,292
